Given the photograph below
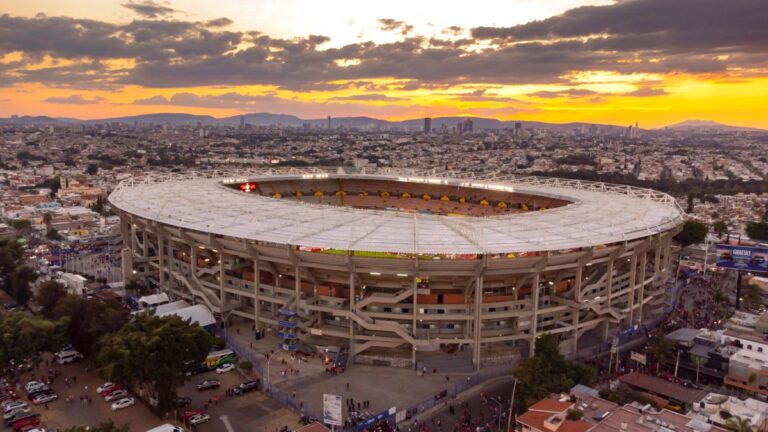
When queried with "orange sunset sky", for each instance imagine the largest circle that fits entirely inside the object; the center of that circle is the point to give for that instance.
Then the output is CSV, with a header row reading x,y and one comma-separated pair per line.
x,y
655,62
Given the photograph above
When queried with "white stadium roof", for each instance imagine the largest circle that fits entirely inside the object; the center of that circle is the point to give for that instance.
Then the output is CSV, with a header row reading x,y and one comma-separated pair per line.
x,y
598,213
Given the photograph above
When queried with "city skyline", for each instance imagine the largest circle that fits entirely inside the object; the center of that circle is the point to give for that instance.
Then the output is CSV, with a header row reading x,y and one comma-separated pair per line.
x,y
655,62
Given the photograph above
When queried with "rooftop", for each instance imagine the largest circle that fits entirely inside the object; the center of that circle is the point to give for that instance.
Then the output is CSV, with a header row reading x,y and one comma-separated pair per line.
x,y
598,213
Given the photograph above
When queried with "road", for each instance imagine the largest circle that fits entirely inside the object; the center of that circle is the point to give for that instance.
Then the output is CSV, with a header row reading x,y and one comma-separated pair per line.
x,y
497,395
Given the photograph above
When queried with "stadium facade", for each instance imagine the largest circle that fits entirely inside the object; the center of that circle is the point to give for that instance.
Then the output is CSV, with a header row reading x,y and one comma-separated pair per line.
x,y
404,261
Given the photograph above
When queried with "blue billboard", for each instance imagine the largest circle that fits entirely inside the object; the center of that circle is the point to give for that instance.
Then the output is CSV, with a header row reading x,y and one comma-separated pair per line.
x,y
745,258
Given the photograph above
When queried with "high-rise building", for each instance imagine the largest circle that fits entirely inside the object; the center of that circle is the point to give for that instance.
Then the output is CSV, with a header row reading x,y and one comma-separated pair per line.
x,y
329,122
242,122
427,125
468,125
518,128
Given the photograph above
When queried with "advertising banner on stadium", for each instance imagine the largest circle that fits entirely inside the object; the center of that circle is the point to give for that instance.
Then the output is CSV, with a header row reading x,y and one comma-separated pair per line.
x,y
745,258
332,409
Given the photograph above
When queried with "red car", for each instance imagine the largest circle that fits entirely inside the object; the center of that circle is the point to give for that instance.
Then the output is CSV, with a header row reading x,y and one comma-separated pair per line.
x,y
110,389
192,412
21,424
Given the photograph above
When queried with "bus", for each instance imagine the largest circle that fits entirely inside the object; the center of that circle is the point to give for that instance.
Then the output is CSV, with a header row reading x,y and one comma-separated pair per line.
x,y
221,357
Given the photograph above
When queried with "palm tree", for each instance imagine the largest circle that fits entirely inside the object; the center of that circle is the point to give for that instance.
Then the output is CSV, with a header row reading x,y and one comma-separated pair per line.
x,y
738,424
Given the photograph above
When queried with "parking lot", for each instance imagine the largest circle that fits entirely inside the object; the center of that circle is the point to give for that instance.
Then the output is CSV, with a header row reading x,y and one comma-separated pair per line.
x,y
248,412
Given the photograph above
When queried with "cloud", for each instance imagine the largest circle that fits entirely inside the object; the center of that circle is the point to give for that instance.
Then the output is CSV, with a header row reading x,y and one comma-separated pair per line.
x,y
367,97
148,9
569,93
218,22
391,24
647,92
75,99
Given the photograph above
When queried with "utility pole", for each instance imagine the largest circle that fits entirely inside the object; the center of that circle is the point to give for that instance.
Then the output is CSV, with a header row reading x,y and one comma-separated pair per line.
x,y
511,406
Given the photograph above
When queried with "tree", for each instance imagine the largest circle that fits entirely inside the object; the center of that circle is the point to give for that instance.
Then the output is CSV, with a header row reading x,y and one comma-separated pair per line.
x,y
20,280
757,230
152,351
107,426
720,227
52,234
48,296
92,169
547,372
663,349
689,208
739,424
693,232
574,414
47,219
24,337
89,321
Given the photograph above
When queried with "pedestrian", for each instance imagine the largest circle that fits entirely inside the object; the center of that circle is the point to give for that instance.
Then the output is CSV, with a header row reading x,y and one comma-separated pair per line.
x,y
74,379
46,406
205,405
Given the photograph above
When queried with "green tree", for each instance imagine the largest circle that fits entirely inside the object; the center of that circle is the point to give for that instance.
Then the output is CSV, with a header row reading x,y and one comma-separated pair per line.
x,y
739,424
758,230
89,321
693,232
720,227
547,372
52,234
107,426
92,169
663,349
22,225
152,352
48,296
24,337
574,414
22,277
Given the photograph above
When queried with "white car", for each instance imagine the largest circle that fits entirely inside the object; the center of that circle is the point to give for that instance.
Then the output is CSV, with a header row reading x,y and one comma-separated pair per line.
x,y
33,386
115,395
103,387
14,405
225,368
123,403
199,418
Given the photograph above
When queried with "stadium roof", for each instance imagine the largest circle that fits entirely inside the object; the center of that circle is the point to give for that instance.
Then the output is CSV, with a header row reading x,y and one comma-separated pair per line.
x,y
598,213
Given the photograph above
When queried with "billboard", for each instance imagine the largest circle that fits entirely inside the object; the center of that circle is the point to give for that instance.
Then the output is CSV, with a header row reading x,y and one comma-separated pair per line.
x,y
332,410
746,258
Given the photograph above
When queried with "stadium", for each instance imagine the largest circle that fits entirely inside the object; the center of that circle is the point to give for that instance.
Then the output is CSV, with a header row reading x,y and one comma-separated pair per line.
x,y
398,265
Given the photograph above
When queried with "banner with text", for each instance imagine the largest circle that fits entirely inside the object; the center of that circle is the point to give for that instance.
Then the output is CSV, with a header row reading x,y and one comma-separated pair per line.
x,y
332,410
745,258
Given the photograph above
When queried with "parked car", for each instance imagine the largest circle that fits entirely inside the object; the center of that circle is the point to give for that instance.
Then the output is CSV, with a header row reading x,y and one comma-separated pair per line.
x,y
34,386
29,421
191,413
115,395
225,368
44,398
108,390
8,397
123,403
12,405
199,418
247,387
182,402
20,416
35,393
103,387
208,384
15,412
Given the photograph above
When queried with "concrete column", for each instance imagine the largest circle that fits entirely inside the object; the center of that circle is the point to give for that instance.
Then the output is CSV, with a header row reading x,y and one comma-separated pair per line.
x,y
577,312
256,305
632,286
609,283
657,263
222,296
641,296
297,283
161,260
415,304
478,320
352,309
535,315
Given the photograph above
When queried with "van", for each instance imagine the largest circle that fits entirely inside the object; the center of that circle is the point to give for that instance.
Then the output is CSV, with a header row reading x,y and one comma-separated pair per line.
x,y
166,428
68,356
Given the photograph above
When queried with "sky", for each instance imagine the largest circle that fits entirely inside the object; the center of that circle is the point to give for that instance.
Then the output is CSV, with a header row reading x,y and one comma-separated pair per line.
x,y
655,62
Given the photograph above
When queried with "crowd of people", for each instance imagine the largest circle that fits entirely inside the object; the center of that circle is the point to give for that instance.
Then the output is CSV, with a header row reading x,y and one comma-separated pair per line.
x,y
702,304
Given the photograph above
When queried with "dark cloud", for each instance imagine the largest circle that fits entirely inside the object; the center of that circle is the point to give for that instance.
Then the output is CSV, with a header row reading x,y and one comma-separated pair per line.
x,y
391,24
148,9
647,92
367,97
652,36
75,99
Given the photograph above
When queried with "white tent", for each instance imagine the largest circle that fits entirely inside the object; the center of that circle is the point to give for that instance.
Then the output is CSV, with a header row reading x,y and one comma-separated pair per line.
x,y
198,313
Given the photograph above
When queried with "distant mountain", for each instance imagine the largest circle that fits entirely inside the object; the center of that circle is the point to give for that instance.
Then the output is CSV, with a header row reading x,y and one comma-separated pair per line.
x,y
174,119
708,125
28,120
